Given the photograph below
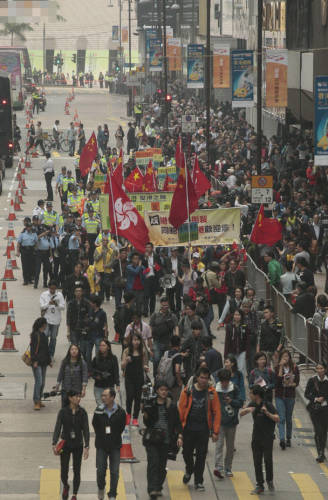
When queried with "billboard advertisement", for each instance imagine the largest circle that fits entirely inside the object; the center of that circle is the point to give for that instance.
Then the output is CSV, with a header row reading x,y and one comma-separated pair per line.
x,y
242,75
321,121
195,66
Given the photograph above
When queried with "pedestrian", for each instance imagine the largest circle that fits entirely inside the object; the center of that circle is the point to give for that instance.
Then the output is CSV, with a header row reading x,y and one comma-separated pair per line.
x,y
101,79
71,137
73,374
200,416
230,402
108,423
119,136
271,335
56,134
237,378
210,356
100,140
49,172
262,375
265,417
135,280
40,359
123,316
39,138
134,365
236,340
97,329
287,378
77,317
73,427
163,433
81,139
26,243
153,272
42,255
52,303
164,325
192,349
106,136
317,393
131,138
171,369
105,370
139,326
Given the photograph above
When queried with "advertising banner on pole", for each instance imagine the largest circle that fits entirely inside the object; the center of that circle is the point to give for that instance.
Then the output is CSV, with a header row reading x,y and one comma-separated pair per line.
x,y
149,34
221,67
207,227
242,74
155,54
174,54
321,121
195,66
276,78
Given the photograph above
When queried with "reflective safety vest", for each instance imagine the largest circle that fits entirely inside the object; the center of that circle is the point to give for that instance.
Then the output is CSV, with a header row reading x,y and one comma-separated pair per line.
x,y
137,109
61,221
91,225
74,202
66,182
49,218
95,206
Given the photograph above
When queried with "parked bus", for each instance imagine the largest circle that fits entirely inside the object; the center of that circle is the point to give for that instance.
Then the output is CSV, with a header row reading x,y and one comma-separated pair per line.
x,y
11,63
6,121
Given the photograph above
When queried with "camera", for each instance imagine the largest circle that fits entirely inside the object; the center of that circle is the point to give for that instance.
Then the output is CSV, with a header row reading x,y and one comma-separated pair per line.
x,y
148,395
51,394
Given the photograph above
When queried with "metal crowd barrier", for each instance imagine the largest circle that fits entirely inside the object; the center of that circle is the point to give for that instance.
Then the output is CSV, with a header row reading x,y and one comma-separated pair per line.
x,y
304,337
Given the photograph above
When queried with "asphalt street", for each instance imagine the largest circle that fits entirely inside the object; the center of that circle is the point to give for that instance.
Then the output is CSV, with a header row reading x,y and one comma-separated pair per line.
x,y
28,469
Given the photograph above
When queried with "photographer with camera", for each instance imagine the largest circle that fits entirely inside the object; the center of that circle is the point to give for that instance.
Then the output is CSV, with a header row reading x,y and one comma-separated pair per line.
x,y
163,324
134,365
162,436
52,303
105,370
73,427
77,317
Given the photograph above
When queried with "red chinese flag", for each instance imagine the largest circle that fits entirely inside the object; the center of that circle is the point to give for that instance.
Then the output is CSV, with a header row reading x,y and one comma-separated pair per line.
x,y
149,181
134,181
266,231
89,153
179,210
124,217
201,182
168,179
117,174
178,153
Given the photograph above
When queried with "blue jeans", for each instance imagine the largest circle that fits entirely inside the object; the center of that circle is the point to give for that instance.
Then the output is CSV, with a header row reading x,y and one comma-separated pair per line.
x,y
118,294
98,393
285,407
52,332
209,318
158,349
102,457
86,346
39,381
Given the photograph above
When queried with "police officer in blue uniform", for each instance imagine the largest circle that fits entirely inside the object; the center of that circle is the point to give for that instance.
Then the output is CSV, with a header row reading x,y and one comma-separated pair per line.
x,y
25,248
43,251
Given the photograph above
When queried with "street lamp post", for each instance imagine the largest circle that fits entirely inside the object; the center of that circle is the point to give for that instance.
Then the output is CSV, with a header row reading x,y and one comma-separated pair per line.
x,y
165,64
208,77
259,85
130,63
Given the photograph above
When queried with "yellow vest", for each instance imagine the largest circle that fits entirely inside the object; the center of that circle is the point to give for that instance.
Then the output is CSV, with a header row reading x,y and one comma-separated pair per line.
x,y
91,225
66,182
91,275
49,218
74,202
100,267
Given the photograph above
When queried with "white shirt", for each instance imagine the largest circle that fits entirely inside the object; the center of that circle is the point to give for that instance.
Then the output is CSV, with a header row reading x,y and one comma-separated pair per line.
x,y
38,211
48,166
52,313
151,266
174,265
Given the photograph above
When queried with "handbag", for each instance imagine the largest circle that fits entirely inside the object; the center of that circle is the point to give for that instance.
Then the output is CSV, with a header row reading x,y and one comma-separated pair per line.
x,y
60,446
314,407
26,358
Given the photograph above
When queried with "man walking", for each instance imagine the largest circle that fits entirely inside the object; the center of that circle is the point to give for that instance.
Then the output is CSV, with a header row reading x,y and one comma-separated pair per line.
x,y
265,417
49,172
164,325
200,415
71,137
52,304
109,423
39,138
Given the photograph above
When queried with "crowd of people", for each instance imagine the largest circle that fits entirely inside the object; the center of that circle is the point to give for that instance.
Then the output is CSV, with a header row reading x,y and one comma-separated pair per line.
x,y
187,391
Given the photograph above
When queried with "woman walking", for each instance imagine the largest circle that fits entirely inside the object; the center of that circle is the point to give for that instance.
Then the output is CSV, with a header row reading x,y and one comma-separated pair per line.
x,y
237,378
72,426
287,379
317,393
40,358
105,370
73,374
262,375
119,136
134,364
106,136
236,340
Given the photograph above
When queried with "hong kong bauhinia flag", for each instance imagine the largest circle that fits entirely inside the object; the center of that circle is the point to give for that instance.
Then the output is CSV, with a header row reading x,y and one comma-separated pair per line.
x,y
89,153
182,206
125,220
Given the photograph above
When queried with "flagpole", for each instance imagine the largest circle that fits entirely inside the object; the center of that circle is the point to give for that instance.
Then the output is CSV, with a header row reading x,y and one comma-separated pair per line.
x,y
188,211
115,223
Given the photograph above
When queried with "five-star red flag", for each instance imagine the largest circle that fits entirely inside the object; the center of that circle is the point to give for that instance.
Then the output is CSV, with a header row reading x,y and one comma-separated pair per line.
x,y
134,181
178,153
266,231
125,220
168,179
89,153
179,207
117,174
149,180
201,182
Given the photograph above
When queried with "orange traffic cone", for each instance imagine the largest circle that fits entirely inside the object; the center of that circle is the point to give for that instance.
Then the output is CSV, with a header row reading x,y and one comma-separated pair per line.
x,y
10,247
11,231
76,119
13,259
17,206
8,275
8,343
19,174
126,455
11,215
21,188
23,182
28,162
35,154
4,299
20,196
11,316
23,169
116,339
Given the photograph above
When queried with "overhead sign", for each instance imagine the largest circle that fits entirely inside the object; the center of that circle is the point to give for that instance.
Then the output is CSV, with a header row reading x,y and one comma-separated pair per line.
x,y
262,181
155,54
188,123
195,66
221,67
242,73
321,121
276,78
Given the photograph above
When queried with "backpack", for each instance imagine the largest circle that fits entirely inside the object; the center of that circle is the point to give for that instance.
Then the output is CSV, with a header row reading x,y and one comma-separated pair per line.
x,y
165,369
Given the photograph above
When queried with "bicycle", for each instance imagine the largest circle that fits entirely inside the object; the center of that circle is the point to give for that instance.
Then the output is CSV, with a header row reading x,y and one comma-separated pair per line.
x,y
50,142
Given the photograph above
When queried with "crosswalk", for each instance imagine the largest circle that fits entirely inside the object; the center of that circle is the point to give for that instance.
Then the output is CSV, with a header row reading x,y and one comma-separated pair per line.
x,y
241,483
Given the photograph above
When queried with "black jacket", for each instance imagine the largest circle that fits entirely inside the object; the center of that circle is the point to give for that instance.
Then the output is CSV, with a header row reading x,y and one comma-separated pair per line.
x,y
168,266
235,280
107,369
150,417
316,388
72,282
156,260
305,305
77,315
116,423
67,422
39,349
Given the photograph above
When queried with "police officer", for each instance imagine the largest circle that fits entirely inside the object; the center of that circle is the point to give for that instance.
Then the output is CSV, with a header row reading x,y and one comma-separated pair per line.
x,y
94,203
68,179
36,101
92,227
44,245
271,336
25,248
138,113
50,216
74,201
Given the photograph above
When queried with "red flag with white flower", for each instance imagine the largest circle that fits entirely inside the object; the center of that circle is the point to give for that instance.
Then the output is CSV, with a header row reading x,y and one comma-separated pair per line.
x,y
89,153
201,182
124,217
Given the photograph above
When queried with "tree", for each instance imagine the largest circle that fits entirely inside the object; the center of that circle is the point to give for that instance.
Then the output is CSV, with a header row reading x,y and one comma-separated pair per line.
x,y
15,29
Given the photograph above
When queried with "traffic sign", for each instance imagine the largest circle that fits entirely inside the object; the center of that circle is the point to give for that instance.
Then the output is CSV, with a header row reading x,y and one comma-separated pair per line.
x,y
262,189
188,124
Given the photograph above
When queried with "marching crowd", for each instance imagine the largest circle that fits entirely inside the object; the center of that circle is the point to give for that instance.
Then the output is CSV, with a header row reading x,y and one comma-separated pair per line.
x,y
166,303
